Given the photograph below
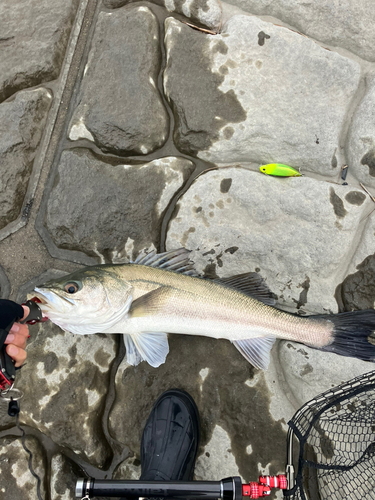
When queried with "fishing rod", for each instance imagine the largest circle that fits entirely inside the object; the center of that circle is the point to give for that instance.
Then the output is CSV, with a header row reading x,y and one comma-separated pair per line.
x,y
336,436
230,488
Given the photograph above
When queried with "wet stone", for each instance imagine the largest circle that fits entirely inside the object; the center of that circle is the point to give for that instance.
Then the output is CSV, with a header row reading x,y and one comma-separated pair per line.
x,y
240,96
229,410
358,290
344,24
128,200
295,232
200,107
361,144
120,107
129,469
207,13
16,480
64,475
33,39
65,388
22,120
309,372
217,460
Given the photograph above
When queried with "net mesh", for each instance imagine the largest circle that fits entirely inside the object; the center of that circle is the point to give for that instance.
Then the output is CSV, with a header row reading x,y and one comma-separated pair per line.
x,y
336,434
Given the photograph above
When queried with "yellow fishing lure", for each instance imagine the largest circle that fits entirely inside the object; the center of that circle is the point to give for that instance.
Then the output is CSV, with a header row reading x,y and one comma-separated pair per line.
x,y
280,170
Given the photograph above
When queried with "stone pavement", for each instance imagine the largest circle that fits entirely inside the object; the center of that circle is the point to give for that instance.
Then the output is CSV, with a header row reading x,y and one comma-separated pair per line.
x,y
124,128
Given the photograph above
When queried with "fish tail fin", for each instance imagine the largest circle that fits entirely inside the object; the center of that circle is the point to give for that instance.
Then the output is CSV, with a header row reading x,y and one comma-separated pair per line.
x,y
352,334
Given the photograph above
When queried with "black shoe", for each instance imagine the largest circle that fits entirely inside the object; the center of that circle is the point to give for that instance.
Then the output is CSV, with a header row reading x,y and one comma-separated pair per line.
x,y
170,438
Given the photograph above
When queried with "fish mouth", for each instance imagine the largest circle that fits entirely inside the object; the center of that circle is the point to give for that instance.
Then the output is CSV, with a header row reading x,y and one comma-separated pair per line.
x,y
38,300
50,303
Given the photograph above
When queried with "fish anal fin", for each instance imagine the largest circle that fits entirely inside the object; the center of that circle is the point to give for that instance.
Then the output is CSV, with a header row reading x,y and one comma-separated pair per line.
x,y
256,350
251,284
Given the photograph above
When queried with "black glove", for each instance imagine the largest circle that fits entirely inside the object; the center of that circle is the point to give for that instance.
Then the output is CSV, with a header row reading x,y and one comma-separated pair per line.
x,y
9,313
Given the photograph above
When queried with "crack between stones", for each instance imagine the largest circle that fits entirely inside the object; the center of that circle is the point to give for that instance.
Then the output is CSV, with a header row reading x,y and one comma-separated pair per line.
x,y
120,452
58,88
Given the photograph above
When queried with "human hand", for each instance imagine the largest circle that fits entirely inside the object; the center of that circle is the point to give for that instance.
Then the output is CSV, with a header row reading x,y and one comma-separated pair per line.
x,y
17,339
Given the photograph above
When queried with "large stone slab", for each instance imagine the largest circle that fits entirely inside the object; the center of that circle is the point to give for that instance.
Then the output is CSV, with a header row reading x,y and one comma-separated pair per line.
x,y
361,143
217,460
357,291
204,12
343,24
233,404
298,233
16,480
309,372
128,202
22,121
65,383
119,105
241,96
33,39
64,475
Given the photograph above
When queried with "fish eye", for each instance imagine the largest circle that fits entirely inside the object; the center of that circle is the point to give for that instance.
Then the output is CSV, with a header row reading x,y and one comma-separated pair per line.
x,y
71,287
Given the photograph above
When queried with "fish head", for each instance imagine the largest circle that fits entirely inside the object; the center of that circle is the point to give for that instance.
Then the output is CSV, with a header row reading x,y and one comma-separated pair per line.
x,y
87,301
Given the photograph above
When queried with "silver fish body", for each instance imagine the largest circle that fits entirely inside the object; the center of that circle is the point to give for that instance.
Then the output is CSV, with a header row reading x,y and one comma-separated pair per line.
x,y
147,299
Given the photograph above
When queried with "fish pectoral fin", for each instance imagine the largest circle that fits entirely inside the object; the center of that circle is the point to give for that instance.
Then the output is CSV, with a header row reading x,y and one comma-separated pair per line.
x,y
251,284
256,351
132,355
150,303
149,346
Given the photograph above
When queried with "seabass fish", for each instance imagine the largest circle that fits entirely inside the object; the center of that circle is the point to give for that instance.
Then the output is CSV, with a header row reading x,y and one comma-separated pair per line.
x,y
160,294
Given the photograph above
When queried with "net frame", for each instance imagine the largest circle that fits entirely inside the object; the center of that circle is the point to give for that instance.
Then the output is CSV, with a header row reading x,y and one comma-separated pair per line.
x,y
336,434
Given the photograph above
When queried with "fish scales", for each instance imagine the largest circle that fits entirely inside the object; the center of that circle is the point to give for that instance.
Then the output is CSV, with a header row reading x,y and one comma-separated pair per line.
x,y
159,294
202,307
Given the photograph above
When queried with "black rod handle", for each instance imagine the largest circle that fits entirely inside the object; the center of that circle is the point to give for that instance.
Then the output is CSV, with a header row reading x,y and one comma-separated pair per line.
x,y
227,489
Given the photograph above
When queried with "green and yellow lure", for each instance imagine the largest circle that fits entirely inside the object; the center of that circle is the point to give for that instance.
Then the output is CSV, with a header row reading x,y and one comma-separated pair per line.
x,y
280,170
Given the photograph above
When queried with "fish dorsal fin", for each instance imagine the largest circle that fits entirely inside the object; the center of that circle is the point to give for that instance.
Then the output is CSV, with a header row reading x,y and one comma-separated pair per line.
x,y
251,284
256,351
147,346
174,260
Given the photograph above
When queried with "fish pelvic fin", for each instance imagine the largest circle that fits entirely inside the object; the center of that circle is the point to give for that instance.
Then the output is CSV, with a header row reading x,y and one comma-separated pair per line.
x,y
251,284
352,334
132,355
174,260
256,351
152,347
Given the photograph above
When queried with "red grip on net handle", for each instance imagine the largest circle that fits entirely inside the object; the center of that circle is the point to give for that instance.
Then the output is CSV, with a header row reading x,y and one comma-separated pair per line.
x,y
263,488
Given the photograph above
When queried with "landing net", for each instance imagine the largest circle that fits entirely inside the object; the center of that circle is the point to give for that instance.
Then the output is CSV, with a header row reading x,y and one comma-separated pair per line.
x,y
336,434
